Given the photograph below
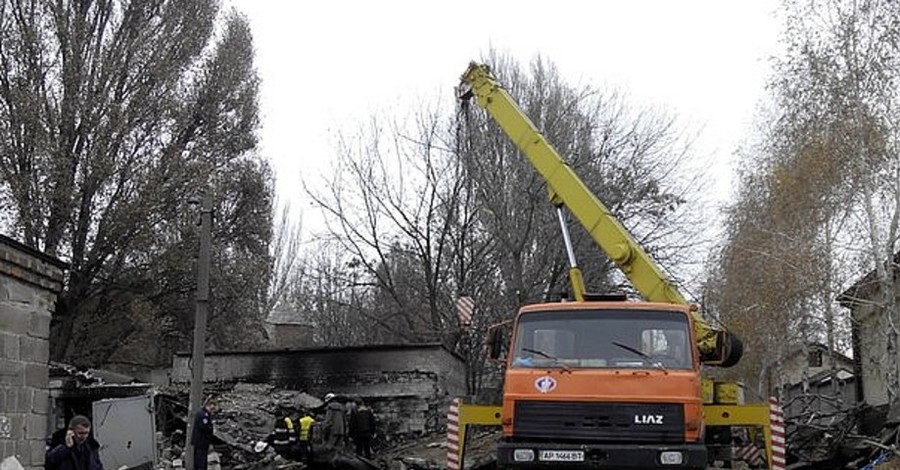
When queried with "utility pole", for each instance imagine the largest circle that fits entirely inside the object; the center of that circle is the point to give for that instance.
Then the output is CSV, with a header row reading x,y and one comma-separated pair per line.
x,y
199,350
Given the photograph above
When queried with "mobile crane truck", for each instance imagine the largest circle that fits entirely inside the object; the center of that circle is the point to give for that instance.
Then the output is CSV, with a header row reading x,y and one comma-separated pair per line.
x,y
603,382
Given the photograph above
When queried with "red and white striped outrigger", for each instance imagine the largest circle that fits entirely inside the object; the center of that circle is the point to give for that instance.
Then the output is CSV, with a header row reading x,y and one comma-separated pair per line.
x,y
776,442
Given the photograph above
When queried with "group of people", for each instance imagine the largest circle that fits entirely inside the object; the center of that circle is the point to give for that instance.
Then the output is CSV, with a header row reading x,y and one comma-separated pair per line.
x,y
349,422
340,426
290,441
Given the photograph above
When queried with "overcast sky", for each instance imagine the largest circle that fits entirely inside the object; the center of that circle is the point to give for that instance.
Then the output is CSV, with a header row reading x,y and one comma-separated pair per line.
x,y
327,65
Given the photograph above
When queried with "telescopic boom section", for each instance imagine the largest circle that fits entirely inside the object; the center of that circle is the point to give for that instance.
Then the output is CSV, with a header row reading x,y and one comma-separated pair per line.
x,y
567,188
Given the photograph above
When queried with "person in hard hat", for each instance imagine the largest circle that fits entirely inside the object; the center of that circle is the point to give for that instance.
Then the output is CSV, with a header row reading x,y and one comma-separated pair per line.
x,y
335,426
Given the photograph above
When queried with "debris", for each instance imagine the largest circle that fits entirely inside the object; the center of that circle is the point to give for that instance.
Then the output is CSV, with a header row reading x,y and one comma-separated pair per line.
x,y
246,417
430,452
11,463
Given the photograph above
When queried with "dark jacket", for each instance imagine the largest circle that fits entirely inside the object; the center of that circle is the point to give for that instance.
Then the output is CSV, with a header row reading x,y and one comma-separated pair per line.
x,y
284,436
84,456
202,434
362,423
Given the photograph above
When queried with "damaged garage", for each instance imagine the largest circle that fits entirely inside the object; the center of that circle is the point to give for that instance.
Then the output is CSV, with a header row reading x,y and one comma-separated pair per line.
x,y
407,386
421,375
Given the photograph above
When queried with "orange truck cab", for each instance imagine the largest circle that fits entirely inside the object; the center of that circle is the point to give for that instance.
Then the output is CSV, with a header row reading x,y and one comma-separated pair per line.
x,y
602,384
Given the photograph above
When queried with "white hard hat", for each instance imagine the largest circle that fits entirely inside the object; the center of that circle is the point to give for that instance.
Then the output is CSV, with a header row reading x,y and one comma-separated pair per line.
x,y
329,396
260,446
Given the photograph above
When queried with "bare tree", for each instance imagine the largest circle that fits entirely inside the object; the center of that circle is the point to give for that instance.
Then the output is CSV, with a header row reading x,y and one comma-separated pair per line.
x,y
445,208
390,205
823,182
288,261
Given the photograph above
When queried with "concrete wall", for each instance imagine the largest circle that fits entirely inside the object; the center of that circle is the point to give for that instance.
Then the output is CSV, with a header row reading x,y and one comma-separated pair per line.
x,y
870,337
873,354
382,370
29,284
796,367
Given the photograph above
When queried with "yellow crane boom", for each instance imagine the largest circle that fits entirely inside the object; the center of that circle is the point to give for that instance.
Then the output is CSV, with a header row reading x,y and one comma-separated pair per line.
x,y
716,346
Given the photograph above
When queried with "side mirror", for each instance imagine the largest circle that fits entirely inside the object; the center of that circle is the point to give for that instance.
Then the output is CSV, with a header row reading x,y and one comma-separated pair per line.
x,y
498,341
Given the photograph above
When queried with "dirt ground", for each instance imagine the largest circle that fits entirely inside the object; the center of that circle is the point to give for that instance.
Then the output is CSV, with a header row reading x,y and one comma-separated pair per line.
x,y
431,452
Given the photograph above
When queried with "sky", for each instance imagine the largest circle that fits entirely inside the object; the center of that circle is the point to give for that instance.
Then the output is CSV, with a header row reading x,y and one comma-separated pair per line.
x,y
325,67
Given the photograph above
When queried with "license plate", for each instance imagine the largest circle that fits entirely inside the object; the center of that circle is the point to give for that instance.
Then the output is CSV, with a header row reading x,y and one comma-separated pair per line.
x,y
562,456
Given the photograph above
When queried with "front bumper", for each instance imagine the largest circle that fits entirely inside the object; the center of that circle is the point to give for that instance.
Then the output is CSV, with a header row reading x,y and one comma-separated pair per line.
x,y
622,456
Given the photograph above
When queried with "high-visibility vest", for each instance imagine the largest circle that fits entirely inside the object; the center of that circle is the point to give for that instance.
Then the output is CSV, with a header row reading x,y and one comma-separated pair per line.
x,y
306,423
284,432
292,436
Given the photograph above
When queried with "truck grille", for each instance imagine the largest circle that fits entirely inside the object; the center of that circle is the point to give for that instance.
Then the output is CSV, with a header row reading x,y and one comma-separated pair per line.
x,y
614,422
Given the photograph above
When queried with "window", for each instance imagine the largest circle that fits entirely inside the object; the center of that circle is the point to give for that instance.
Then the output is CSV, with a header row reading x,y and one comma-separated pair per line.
x,y
597,338
815,358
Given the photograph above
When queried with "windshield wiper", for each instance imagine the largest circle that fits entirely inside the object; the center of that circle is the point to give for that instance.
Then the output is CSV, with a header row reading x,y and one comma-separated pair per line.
x,y
631,349
641,354
548,356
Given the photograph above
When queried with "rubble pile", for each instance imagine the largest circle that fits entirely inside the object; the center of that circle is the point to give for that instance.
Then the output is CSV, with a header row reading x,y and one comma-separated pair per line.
x,y
246,415
854,437
411,432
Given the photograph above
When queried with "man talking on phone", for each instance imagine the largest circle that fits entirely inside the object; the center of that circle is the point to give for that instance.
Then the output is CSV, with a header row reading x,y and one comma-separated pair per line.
x,y
79,451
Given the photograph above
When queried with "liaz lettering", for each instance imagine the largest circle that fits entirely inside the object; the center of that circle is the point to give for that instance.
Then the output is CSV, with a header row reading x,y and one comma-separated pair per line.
x,y
648,419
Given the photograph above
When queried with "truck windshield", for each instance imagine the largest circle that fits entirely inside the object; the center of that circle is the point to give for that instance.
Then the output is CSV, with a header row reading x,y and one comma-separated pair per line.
x,y
603,338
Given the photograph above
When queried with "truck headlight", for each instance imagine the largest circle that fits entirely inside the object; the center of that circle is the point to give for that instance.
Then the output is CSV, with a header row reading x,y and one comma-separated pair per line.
x,y
671,457
523,455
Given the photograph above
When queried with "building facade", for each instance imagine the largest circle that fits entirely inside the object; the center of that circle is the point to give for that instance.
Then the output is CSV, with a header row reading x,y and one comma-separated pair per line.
x,y
871,324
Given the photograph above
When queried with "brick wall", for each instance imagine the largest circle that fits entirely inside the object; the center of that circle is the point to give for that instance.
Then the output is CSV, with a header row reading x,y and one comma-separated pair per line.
x,y
29,284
